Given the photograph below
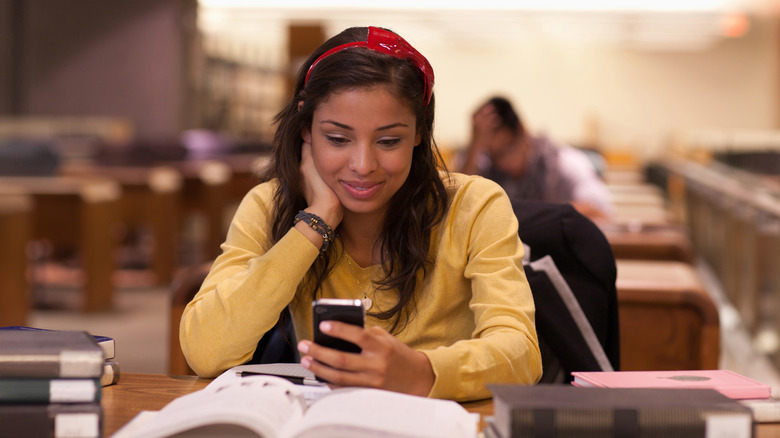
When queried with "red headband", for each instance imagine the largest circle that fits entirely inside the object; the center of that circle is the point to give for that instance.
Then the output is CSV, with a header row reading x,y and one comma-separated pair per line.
x,y
389,43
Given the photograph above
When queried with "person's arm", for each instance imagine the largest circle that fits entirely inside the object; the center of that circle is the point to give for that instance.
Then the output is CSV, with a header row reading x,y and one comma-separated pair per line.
x,y
252,281
590,195
504,346
248,286
483,124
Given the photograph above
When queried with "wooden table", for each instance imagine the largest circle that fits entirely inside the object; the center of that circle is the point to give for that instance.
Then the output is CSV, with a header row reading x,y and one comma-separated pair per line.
x,y
205,194
81,214
212,188
151,197
632,214
142,392
652,242
150,392
668,321
246,169
637,194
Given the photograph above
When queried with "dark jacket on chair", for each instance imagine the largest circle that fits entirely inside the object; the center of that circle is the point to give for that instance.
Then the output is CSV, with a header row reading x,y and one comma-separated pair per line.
x,y
582,254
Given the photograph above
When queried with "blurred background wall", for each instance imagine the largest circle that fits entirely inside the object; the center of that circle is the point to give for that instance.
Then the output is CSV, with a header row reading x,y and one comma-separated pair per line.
x,y
618,80
89,58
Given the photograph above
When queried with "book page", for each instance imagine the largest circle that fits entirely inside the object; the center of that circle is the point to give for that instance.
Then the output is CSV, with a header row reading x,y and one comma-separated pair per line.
x,y
360,412
310,393
765,410
261,405
130,430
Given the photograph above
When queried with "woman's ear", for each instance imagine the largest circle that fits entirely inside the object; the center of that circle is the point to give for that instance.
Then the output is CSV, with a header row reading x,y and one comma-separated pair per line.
x,y
306,135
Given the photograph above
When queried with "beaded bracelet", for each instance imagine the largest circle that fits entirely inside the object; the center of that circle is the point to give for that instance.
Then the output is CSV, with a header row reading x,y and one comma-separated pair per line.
x,y
317,224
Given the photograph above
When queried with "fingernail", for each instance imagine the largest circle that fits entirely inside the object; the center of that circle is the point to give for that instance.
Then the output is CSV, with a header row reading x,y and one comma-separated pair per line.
x,y
305,362
303,347
325,326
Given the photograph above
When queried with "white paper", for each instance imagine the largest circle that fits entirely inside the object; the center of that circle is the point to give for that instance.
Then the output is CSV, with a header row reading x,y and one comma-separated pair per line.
x,y
729,426
71,391
82,425
395,415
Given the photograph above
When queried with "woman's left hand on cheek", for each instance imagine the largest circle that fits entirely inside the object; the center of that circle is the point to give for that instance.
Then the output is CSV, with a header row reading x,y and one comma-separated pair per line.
x,y
385,362
319,197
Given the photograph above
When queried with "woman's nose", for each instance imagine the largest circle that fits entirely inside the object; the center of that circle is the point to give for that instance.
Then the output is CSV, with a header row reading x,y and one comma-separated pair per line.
x,y
363,159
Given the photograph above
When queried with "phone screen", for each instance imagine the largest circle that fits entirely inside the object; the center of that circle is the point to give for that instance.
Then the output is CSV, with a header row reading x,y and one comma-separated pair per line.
x,y
332,309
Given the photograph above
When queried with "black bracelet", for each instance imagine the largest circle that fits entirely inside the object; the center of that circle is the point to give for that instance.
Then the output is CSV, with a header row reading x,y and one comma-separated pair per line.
x,y
317,224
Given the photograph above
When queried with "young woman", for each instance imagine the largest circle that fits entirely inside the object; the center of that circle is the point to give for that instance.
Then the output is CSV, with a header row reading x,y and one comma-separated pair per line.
x,y
354,206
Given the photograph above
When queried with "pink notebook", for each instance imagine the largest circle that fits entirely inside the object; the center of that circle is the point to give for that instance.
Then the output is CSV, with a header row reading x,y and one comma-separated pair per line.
x,y
727,382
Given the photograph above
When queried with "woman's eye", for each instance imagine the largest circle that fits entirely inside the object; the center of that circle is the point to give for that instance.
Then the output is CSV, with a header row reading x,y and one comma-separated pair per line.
x,y
389,142
336,140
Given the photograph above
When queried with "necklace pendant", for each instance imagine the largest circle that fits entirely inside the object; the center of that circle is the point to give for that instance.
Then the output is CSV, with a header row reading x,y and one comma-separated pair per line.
x,y
367,303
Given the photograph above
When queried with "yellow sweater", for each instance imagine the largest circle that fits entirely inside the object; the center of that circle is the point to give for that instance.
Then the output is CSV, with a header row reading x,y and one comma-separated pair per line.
x,y
474,315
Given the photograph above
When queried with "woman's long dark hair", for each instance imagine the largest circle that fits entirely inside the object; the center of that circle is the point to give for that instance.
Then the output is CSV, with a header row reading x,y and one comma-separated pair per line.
x,y
418,205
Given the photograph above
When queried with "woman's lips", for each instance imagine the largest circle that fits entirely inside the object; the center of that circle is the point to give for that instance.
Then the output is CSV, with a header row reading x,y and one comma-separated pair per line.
x,y
361,190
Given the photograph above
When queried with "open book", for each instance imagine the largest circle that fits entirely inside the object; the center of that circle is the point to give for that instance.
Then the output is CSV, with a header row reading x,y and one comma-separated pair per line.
x,y
272,407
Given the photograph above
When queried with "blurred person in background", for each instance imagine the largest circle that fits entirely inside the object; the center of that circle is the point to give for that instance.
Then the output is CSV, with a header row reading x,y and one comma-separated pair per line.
x,y
532,167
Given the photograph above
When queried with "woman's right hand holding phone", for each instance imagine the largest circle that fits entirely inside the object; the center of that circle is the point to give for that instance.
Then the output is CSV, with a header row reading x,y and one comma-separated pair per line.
x,y
384,361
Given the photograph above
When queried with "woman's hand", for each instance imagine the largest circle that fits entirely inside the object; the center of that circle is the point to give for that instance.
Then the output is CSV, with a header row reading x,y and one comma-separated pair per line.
x,y
321,199
484,123
384,363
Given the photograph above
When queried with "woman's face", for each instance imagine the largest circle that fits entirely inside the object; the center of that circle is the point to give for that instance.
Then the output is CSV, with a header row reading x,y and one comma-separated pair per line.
x,y
362,143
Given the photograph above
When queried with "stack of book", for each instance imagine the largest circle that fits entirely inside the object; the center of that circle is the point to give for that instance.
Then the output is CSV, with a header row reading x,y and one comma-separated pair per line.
x,y
561,411
50,383
749,392
678,403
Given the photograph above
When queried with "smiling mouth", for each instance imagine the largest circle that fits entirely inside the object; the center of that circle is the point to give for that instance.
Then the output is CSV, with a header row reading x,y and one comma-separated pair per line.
x,y
362,191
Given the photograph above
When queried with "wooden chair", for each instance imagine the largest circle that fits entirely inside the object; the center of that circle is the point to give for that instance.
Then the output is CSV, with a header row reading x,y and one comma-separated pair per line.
x,y
184,286
15,231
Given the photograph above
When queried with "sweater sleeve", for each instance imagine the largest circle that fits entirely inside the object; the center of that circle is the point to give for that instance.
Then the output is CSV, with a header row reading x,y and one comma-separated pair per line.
x,y
481,237
249,284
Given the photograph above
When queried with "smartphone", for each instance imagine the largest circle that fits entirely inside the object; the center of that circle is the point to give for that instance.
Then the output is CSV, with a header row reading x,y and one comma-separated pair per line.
x,y
335,309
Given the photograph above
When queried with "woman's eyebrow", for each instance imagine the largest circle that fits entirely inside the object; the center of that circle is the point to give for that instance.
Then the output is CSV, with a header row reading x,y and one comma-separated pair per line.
x,y
337,124
381,128
393,125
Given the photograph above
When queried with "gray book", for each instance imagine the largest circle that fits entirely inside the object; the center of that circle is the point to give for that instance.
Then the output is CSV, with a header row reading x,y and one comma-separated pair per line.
x,y
50,354
563,411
